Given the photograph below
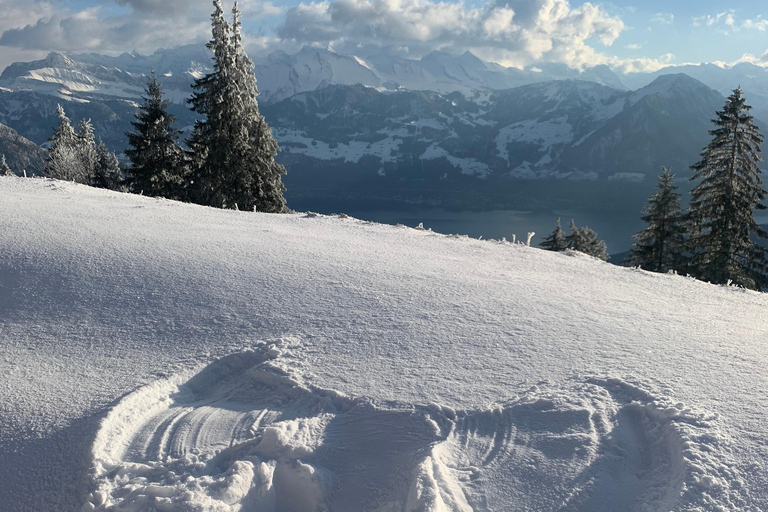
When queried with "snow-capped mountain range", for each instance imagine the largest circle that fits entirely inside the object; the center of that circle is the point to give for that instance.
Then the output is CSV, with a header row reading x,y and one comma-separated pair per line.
x,y
91,76
377,122
282,75
279,75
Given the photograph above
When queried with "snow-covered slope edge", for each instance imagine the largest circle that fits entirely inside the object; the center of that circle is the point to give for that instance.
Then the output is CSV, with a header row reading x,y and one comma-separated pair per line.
x,y
545,376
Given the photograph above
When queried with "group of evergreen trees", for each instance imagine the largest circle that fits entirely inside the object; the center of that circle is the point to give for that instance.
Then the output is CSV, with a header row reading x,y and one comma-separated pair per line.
x,y
75,156
231,158
232,150
579,239
716,240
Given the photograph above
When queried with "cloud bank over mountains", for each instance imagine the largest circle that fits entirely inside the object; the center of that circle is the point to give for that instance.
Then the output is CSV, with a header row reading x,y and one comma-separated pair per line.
x,y
514,33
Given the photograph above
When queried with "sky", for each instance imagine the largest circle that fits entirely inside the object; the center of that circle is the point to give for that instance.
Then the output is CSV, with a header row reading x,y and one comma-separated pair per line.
x,y
627,35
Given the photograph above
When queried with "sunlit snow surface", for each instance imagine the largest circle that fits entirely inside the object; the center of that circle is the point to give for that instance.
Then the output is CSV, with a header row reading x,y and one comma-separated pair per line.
x,y
162,356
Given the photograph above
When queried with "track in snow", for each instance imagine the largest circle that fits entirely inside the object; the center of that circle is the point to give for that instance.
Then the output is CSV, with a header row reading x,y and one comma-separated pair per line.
x,y
246,434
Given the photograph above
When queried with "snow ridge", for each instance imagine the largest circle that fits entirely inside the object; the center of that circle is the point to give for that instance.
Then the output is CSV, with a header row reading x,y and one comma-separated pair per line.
x,y
249,433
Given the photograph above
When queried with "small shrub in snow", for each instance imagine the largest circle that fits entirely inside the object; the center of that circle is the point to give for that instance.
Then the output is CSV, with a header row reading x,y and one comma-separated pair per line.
x,y
556,241
585,240
5,170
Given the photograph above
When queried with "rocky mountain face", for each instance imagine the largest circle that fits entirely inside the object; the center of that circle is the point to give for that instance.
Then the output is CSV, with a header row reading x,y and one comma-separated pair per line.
x,y
751,78
20,153
591,136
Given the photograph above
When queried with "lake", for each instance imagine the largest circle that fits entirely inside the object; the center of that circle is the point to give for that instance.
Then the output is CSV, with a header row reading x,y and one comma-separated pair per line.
x,y
615,227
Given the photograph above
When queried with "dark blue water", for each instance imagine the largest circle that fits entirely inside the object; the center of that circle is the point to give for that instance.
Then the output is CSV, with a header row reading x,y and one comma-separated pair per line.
x,y
616,228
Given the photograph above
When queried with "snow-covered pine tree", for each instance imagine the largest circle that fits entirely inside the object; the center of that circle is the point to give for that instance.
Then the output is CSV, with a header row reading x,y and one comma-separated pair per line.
x,y
263,145
5,170
108,173
556,241
585,240
157,163
723,230
63,161
661,245
233,149
85,146
209,134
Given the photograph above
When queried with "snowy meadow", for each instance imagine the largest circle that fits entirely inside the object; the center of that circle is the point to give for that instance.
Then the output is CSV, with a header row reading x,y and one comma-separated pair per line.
x,y
156,355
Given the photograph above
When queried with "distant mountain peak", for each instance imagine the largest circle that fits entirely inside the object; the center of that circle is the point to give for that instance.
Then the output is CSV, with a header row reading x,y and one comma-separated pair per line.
x,y
437,55
56,59
674,85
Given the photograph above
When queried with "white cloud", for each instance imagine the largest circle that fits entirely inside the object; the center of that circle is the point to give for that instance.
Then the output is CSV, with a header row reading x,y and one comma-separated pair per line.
x,y
758,23
148,25
18,15
709,20
633,46
641,65
748,57
513,32
663,18
728,22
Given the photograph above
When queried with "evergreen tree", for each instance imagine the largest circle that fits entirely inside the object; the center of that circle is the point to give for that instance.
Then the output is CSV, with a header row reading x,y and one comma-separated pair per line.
x,y
63,162
232,149
660,246
4,169
157,159
85,147
556,241
723,228
108,173
585,240
208,100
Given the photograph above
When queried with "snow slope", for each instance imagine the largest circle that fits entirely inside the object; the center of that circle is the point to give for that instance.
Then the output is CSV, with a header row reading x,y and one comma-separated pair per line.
x,y
163,356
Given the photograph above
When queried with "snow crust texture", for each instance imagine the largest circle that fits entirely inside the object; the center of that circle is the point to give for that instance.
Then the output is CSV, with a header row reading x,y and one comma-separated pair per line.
x,y
248,433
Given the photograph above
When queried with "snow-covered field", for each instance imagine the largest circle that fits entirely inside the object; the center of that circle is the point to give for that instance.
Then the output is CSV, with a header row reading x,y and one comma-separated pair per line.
x,y
163,356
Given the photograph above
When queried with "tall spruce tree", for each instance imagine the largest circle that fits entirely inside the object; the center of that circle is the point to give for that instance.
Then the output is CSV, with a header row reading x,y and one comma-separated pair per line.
x,y
157,165
661,245
556,241
585,240
232,149
5,170
723,230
